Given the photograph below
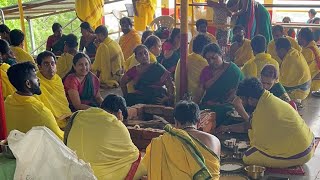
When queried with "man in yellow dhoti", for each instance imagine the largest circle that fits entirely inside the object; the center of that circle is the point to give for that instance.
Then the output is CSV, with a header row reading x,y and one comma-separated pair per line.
x,y
278,32
253,67
294,71
130,38
183,152
65,61
201,25
90,11
17,39
143,13
23,110
240,50
279,137
100,138
195,65
52,95
311,53
109,59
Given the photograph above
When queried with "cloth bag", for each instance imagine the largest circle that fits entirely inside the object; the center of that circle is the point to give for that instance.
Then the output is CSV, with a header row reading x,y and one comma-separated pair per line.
x,y
41,155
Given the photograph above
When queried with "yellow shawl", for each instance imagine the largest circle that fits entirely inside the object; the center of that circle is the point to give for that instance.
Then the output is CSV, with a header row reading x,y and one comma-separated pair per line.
x,y
272,48
244,53
54,98
108,61
213,40
21,55
254,66
195,64
90,11
278,129
99,138
177,155
7,88
128,42
311,57
25,112
64,64
294,70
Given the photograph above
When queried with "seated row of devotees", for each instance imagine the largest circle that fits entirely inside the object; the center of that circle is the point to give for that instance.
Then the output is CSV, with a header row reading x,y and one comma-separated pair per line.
x,y
278,135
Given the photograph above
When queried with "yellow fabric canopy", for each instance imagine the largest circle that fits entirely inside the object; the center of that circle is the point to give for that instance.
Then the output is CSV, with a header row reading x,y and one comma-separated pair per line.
x,y
64,64
244,53
128,42
90,11
7,88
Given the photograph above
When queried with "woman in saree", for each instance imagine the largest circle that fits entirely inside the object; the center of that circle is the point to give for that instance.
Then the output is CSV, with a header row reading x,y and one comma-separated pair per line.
x,y
6,55
87,40
55,42
218,84
81,85
149,79
171,51
253,16
99,137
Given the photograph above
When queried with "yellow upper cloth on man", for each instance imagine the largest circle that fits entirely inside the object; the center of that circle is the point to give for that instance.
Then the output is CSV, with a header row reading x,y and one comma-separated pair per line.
x,y
278,131
195,65
99,138
254,66
128,42
213,40
64,64
294,72
272,48
21,55
177,155
109,61
7,88
90,11
146,10
244,53
54,98
25,112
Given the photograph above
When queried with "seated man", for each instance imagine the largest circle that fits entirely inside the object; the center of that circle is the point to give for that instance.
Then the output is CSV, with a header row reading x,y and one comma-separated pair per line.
x,y
109,59
100,138
53,95
23,111
17,39
4,32
195,64
201,25
279,137
240,50
294,71
311,53
254,66
278,32
64,63
183,152
130,38
55,42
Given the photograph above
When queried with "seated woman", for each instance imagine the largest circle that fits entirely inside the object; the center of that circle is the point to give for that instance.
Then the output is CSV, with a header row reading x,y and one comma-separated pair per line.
x,y
171,51
87,40
218,84
100,138
148,79
6,54
81,85
183,152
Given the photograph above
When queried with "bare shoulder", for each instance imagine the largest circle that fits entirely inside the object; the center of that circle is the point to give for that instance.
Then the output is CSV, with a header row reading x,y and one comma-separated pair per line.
x,y
211,141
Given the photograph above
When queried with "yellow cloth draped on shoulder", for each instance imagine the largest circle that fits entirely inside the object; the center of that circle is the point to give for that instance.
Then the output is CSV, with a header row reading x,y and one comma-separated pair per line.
x,y
253,67
195,64
7,88
109,62
272,48
295,75
21,55
146,10
312,54
279,137
25,112
90,11
54,98
64,64
213,40
177,155
244,53
128,42
100,139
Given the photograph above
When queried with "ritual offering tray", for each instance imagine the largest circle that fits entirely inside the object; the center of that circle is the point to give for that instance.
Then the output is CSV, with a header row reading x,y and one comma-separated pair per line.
x,y
231,166
231,143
